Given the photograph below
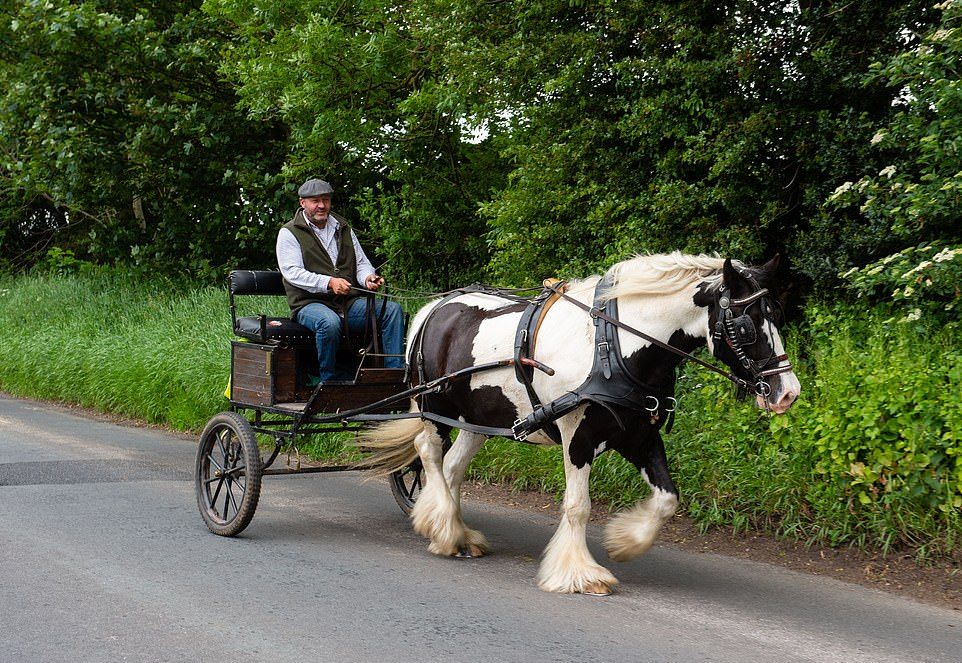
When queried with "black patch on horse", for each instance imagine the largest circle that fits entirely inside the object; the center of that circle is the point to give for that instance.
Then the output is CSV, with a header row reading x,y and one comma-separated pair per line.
x,y
449,334
638,441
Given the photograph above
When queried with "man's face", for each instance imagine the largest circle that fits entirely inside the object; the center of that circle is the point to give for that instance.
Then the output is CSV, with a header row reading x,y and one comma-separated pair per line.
x,y
317,208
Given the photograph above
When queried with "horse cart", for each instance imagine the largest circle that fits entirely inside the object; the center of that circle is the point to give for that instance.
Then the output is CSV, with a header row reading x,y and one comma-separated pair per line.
x,y
481,367
271,396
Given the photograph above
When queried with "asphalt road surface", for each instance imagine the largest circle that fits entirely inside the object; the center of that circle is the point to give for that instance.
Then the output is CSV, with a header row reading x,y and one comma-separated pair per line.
x,y
104,557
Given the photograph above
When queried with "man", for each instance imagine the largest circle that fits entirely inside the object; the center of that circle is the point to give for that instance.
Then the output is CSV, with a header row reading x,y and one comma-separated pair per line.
x,y
321,261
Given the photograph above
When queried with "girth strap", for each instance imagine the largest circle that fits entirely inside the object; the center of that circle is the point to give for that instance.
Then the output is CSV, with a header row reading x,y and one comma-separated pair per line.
x,y
524,342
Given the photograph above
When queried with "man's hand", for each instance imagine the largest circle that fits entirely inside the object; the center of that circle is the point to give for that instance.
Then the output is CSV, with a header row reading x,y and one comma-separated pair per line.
x,y
373,282
339,286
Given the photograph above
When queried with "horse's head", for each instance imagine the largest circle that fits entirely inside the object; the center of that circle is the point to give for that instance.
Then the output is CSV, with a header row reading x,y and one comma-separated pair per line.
x,y
744,322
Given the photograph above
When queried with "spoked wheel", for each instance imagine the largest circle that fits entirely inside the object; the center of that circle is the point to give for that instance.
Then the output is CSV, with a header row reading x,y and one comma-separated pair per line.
x,y
406,484
228,474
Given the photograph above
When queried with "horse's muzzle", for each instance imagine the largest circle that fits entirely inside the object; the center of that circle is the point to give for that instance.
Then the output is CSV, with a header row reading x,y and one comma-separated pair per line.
x,y
784,393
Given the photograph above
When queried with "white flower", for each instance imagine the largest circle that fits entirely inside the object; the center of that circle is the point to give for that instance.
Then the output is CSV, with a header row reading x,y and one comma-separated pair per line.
x,y
842,188
946,254
888,171
849,272
914,315
877,138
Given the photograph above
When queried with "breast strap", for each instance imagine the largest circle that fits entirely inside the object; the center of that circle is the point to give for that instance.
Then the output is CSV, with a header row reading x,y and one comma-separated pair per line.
x,y
524,342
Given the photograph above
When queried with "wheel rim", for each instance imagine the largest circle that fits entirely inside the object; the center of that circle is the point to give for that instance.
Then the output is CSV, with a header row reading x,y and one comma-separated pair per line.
x,y
409,482
224,473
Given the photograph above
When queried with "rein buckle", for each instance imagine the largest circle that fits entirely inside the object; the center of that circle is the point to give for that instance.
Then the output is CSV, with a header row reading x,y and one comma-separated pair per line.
x,y
518,430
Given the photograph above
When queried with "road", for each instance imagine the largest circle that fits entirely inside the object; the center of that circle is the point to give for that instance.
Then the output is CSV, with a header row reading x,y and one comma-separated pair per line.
x,y
104,557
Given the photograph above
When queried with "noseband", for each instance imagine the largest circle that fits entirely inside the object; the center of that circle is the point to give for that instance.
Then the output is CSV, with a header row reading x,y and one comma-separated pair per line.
x,y
739,333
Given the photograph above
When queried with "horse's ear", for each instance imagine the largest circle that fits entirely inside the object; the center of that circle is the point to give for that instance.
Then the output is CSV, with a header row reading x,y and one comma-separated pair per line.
x,y
766,273
770,267
729,274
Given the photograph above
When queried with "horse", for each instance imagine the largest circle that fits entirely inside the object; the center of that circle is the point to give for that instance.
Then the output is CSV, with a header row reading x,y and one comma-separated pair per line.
x,y
667,306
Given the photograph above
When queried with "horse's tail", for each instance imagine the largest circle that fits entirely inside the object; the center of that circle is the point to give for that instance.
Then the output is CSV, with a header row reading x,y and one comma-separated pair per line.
x,y
391,445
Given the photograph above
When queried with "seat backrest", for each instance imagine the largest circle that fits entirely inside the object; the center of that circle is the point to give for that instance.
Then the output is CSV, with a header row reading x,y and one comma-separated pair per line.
x,y
255,282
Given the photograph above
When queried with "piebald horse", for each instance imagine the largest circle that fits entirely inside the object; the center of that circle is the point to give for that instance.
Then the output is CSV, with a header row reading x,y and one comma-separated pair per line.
x,y
681,300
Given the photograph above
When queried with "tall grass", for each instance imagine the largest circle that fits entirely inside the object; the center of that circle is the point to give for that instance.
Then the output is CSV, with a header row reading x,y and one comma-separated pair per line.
x,y
869,456
154,351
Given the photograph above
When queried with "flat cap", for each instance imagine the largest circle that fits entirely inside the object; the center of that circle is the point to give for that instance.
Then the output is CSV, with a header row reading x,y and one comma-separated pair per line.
x,y
314,187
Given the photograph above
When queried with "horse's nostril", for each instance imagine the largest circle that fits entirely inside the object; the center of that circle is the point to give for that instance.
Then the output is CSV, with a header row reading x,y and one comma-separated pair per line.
x,y
787,398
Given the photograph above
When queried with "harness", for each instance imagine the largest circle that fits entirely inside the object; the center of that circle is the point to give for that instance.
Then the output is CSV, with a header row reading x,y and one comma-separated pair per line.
x,y
610,384
739,332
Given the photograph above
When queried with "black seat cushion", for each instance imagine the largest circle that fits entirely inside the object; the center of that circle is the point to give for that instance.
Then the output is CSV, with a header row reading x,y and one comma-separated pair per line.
x,y
278,330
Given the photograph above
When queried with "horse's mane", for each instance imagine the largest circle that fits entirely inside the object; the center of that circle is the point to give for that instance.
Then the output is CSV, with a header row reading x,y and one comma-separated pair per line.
x,y
660,274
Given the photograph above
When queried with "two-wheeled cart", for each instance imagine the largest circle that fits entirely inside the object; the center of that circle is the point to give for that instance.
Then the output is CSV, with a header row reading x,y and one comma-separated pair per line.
x,y
271,395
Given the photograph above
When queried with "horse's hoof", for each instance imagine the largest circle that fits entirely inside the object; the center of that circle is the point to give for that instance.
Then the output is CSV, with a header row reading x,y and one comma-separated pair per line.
x,y
470,551
597,588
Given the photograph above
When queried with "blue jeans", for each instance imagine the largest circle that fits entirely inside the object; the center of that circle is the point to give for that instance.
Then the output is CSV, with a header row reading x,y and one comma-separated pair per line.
x,y
326,325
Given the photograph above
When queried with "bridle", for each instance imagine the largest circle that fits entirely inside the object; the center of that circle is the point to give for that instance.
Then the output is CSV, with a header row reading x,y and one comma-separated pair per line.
x,y
739,333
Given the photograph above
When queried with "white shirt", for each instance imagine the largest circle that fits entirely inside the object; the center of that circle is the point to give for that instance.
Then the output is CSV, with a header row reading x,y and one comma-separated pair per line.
x,y
290,259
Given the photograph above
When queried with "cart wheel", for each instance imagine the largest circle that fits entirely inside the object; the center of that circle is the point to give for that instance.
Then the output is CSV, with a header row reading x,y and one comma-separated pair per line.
x,y
406,483
228,474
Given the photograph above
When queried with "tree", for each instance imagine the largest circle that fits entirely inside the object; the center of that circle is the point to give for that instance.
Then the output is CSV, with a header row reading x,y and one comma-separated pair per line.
x,y
637,126
356,83
912,192
118,139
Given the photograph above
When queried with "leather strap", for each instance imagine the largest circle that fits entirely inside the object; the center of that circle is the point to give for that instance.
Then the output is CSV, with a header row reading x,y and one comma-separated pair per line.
x,y
525,337
598,313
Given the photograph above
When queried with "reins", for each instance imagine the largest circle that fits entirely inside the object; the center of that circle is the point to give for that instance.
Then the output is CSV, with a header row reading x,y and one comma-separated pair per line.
x,y
759,388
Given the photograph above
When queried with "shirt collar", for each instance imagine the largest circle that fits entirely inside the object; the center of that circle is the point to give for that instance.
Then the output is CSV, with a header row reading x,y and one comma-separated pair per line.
x,y
329,228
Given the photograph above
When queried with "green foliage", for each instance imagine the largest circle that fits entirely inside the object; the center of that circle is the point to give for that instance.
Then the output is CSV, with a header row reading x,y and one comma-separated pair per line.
x,y
916,193
62,262
885,427
154,350
869,456
117,139
647,126
504,140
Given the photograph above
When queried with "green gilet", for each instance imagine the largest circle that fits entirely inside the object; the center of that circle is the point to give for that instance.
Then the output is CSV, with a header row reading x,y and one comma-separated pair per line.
x,y
318,260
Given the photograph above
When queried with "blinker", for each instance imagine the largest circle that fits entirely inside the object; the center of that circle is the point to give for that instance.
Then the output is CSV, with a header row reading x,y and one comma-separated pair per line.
x,y
745,333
